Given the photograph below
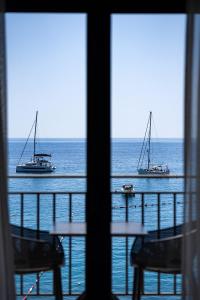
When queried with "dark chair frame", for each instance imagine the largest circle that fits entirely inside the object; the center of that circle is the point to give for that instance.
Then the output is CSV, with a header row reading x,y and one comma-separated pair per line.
x,y
36,251
159,251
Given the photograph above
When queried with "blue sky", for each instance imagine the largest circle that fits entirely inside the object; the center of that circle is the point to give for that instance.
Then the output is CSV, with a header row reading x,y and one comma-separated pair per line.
x,y
46,71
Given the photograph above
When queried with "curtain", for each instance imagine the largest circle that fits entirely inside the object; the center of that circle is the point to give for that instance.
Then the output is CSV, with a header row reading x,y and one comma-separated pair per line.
x,y
7,291
191,249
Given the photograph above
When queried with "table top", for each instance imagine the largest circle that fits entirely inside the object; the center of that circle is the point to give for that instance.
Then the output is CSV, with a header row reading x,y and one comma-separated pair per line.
x,y
117,229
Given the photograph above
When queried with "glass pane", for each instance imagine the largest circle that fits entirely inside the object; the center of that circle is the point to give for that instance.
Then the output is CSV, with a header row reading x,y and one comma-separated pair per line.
x,y
147,133
46,66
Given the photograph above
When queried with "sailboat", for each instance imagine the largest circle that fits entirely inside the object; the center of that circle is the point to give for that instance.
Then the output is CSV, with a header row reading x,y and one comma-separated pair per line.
x,y
146,151
40,162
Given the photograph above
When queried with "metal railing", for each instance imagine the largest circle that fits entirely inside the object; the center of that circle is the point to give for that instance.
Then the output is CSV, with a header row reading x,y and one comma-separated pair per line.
x,y
155,210
41,209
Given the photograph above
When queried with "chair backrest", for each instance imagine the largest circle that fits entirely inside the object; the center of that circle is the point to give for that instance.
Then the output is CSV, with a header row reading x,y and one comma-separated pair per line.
x,y
162,255
35,251
160,250
156,234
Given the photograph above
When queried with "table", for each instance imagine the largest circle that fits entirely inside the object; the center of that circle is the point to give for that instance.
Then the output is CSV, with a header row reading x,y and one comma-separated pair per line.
x,y
117,229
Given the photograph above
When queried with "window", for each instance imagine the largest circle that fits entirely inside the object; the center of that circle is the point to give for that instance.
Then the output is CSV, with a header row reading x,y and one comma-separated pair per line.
x,y
98,129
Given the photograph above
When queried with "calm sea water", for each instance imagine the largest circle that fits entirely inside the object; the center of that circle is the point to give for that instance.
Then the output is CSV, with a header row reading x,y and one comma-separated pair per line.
x,y
69,156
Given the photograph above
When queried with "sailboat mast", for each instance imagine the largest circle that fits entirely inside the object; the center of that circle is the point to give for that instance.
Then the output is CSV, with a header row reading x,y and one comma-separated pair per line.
x,y
35,134
149,142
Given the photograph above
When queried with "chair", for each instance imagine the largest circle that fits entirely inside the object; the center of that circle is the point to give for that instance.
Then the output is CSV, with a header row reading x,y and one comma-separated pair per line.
x,y
159,251
36,251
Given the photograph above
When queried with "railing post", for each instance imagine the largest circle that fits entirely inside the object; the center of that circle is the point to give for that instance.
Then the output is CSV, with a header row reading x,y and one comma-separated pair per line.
x,y
158,223
21,213
22,232
38,215
54,208
175,211
38,236
70,246
142,204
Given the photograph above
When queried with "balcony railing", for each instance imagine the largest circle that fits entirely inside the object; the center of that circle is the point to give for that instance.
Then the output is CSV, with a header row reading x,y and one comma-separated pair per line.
x,y
41,209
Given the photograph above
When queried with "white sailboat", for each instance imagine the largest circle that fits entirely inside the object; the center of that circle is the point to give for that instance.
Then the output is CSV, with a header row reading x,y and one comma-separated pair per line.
x,y
40,162
149,168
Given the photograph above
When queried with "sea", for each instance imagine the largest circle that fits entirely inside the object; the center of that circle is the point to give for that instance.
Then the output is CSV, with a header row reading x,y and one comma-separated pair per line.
x,y
69,157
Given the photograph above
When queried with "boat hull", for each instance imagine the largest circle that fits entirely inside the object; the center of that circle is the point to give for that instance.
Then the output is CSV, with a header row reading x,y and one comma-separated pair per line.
x,y
130,193
26,169
152,172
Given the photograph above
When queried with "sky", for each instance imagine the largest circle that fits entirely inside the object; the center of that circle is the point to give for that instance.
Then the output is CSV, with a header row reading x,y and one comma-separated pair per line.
x,y
46,71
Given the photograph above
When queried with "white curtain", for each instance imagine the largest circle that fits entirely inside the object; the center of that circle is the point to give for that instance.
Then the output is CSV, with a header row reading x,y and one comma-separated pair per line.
x,y
7,291
191,249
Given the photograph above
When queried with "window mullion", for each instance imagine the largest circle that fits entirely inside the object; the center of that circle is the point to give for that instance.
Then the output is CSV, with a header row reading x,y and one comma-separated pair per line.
x,y
98,242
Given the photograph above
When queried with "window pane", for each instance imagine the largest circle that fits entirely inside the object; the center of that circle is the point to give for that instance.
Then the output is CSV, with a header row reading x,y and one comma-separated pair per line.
x,y
147,76
46,66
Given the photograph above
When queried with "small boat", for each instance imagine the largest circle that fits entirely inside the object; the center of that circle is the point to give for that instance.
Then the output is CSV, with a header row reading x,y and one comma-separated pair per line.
x,y
149,168
128,188
40,162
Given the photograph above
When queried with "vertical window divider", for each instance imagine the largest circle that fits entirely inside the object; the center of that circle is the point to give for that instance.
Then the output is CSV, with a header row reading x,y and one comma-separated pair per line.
x,y
98,211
